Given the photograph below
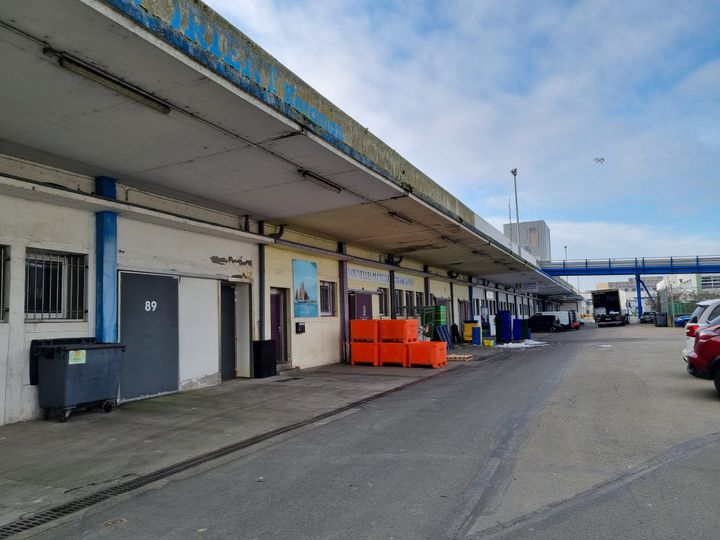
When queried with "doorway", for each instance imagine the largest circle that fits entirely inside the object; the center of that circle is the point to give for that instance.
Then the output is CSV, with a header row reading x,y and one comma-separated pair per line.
x,y
228,335
278,323
149,330
360,305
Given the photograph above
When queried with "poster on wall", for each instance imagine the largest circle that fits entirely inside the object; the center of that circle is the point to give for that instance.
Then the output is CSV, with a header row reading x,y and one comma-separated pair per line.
x,y
305,288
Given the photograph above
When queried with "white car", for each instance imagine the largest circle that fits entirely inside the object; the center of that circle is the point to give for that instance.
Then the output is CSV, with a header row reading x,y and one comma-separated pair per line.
x,y
705,311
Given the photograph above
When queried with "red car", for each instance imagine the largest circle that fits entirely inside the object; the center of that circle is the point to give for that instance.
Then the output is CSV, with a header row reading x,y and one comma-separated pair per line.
x,y
704,361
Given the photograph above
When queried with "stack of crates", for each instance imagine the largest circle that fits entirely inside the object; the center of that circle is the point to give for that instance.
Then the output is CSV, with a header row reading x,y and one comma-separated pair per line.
x,y
440,315
395,335
364,342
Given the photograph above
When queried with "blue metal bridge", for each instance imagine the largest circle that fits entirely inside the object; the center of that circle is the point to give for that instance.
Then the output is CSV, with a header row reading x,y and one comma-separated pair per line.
x,y
637,267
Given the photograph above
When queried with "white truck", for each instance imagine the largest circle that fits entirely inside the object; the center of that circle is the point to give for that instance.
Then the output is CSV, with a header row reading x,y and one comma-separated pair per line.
x,y
610,307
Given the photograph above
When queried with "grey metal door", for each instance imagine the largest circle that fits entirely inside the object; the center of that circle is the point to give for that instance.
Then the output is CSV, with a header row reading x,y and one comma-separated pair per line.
x,y
149,330
227,332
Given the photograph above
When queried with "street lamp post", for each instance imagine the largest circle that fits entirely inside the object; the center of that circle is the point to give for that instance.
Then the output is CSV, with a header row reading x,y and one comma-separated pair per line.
x,y
566,276
517,211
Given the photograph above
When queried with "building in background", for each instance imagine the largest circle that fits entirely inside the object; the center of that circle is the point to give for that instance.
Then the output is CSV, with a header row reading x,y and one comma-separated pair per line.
x,y
678,294
534,237
629,285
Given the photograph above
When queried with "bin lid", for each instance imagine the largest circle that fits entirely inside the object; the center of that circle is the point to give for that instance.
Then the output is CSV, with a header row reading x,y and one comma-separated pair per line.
x,y
83,346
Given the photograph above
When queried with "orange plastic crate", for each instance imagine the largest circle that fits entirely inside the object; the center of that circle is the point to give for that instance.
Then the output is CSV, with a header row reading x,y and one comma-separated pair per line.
x,y
364,330
441,349
393,353
399,330
427,353
363,353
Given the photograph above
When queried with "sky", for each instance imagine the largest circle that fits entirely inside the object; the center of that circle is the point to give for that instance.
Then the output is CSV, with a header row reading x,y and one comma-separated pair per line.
x,y
468,90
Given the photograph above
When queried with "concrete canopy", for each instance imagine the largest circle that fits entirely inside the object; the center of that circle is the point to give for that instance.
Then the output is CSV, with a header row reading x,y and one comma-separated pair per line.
x,y
236,132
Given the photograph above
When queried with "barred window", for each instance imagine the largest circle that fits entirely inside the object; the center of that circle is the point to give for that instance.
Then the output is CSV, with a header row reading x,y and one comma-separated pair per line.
x,y
327,298
55,286
4,282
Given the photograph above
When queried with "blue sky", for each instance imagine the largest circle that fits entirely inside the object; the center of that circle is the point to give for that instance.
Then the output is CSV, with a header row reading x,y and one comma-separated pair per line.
x,y
468,90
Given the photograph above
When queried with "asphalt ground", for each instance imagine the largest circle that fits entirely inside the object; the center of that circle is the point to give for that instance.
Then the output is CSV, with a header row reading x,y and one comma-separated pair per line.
x,y
398,467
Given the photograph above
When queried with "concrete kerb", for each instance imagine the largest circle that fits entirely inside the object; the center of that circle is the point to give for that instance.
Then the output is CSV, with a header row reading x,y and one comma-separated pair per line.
x,y
49,465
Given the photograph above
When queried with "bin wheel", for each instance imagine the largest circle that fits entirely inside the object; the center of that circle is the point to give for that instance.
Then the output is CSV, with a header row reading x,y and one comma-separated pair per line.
x,y
107,406
64,414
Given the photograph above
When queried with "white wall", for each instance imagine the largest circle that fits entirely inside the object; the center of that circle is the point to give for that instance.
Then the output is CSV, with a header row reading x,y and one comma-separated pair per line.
x,y
199,328
145,246
31,224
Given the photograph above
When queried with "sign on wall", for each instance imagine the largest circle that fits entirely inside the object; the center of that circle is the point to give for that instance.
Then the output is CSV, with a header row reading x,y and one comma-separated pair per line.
x,y
379,277
531,286
305,288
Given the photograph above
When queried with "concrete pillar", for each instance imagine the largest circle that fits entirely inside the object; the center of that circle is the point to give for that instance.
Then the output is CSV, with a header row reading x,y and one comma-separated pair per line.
x,y
426,284
261,284
344,307
393,306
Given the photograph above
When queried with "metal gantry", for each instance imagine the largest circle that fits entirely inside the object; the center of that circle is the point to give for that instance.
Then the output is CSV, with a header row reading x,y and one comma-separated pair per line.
x,y
699,264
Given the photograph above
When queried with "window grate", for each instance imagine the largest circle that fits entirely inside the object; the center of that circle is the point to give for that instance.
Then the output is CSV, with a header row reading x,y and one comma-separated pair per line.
x,y
55,286
4,283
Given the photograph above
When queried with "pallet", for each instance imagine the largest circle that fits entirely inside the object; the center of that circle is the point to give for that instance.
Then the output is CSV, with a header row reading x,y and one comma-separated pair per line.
x,y
459,357
444,335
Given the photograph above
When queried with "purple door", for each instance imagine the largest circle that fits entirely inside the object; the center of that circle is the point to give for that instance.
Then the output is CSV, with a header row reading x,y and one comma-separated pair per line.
x,y
278,309
361,306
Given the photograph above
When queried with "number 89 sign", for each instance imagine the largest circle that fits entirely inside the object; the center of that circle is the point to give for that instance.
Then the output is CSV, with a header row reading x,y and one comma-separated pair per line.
x,y
150,305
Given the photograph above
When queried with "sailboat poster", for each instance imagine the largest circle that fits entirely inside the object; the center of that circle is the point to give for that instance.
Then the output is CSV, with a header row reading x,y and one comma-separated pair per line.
x,y
305,288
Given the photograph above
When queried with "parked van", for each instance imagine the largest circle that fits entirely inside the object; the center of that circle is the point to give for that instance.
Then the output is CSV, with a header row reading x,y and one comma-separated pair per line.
x,y
568,318
544,323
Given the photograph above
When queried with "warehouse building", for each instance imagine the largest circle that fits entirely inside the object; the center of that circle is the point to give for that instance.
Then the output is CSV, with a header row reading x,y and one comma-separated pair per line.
x,y
166,183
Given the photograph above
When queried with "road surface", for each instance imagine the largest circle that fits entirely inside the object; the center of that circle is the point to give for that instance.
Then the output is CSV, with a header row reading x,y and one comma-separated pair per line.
x,y
601,434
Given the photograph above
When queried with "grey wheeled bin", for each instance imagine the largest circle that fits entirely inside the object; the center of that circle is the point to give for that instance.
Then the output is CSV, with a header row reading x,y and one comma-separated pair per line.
x,y
72,375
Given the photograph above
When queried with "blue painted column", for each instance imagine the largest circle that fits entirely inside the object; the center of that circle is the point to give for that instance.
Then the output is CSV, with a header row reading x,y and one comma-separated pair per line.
x,y
639,294
106,318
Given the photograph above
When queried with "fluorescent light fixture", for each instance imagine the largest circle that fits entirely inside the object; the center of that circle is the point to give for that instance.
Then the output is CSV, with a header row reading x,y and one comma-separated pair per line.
x,y
400,217
320,181
114,84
